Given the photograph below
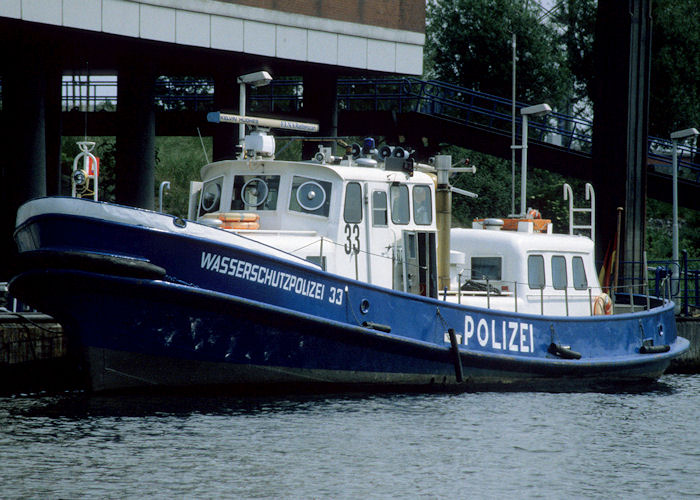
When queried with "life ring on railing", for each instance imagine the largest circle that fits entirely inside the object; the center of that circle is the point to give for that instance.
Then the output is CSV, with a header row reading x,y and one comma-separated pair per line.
x,y
533,213
236,220
240,225
602,305
233,216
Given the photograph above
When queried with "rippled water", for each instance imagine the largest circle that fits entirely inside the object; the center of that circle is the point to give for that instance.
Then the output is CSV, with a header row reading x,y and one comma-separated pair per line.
x,y
642,444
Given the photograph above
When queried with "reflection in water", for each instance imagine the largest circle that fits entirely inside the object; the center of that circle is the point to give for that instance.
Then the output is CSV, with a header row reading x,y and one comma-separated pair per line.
x,y
636,443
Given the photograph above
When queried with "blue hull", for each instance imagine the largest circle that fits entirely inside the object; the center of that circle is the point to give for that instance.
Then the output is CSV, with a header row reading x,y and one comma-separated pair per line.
x,y
230,315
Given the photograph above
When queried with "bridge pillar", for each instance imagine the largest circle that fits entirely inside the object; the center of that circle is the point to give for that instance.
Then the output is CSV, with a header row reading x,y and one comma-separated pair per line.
x,y
320,104
54,130
135,174
23,172
225,137
621,105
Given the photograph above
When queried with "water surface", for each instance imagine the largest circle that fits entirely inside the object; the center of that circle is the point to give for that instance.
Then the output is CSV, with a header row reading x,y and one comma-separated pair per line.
x,y
633,444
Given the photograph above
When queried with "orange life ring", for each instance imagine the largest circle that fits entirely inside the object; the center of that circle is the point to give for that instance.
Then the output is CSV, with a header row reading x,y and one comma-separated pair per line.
x,y
602,305
233,216
240,225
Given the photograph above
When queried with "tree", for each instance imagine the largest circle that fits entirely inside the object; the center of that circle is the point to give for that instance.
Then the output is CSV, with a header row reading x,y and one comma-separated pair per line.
x,y
675,70
492,183
576,31
468,42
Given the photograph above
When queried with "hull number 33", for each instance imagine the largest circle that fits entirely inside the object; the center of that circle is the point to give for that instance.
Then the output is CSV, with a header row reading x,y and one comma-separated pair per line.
x,y
352,238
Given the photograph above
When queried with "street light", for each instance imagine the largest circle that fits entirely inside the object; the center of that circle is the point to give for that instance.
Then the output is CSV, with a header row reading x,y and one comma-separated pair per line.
x,y
257,79
675,137
536,110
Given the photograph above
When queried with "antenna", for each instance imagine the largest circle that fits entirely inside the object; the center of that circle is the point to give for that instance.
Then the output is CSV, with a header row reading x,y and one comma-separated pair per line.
x,y
206,156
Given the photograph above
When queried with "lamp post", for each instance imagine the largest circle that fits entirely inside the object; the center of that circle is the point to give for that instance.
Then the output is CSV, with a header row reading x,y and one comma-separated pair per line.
x,y
536,110
675,137
257,79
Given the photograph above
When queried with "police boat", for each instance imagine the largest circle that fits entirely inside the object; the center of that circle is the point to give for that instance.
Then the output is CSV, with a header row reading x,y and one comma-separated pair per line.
x,y
339,273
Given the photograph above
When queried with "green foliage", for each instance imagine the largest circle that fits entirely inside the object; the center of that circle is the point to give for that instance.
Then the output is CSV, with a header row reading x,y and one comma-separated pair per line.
x,y
183,93
493,183
468,42
675,73
576,20
179,160
660,231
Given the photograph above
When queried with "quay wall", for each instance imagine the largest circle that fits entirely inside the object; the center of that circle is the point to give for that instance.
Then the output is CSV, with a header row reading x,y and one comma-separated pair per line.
x,y
34,354
28,337
690,361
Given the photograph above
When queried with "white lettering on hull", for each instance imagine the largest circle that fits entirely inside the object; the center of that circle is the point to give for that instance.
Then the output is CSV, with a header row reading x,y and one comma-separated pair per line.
x,y
263,275
512,336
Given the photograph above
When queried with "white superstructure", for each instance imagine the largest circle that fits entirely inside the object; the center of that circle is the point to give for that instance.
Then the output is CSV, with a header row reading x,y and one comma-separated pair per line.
x,y
371,216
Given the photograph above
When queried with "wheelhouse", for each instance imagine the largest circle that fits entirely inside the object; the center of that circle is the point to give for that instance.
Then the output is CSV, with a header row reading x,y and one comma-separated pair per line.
x,y
358,220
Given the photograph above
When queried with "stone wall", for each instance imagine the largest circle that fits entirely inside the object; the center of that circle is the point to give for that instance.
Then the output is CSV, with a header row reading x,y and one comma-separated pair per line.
x,y
690,361
30,337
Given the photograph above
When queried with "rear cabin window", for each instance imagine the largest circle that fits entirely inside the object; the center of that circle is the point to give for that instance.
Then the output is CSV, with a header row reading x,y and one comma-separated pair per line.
x,y
399,204
558,272
422,205
535,271
352,212
579,274
255,192
486,267
379,217
310,196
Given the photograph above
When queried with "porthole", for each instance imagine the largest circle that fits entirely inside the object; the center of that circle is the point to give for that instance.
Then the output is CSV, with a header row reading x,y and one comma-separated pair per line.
x,y
254,192
211,195
311,196
364,306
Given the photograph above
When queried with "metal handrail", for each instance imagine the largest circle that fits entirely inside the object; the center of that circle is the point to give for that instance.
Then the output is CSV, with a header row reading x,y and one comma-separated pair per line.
x,y
405,94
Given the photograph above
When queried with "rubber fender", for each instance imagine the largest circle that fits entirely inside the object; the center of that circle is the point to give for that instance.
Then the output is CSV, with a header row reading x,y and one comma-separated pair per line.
x,y
89,261
563,351
377,326
654,349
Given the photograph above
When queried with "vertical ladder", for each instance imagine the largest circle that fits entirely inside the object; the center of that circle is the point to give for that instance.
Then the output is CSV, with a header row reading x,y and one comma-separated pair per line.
x,y
590,195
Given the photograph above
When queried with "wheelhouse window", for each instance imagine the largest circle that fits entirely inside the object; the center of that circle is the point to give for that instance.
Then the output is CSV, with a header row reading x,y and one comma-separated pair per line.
x,y
422,205
255,192
399,204
579,274
379,215
210,197
535,271
310,196
352,212
486,267
558,272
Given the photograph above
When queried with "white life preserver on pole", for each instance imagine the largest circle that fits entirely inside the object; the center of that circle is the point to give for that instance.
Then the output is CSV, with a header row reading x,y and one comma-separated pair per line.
x,y
602,305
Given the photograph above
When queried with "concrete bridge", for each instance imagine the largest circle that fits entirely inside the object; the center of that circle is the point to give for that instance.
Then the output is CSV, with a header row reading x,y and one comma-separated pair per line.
x,y
319,43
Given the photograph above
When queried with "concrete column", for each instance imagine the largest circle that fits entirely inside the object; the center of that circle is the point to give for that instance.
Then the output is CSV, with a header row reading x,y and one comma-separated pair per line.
x,y
621,97
23,170
225,137
54,128
320,105
135,169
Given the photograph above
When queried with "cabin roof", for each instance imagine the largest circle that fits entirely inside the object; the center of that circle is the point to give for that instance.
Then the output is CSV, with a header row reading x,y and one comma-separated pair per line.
x,y
498,241
341,172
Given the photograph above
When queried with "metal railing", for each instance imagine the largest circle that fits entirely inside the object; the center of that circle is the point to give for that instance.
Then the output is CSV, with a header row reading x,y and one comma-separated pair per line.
x,y
677,281
408,94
